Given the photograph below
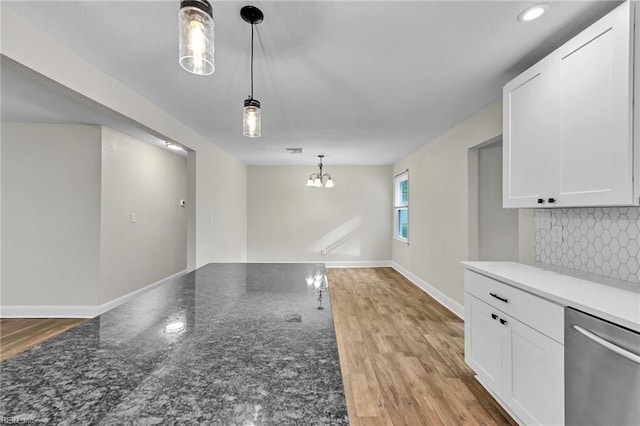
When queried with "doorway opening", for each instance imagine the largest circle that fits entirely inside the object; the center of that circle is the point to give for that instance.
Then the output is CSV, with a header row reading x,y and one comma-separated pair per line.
x,y
494,232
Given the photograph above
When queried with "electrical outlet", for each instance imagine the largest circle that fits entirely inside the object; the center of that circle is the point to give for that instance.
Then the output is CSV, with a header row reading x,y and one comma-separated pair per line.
x,y
210,216
542,219
556,234
133,218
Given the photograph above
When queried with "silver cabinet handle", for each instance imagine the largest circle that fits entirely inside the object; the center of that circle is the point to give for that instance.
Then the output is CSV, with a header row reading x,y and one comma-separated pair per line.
x,y
607,344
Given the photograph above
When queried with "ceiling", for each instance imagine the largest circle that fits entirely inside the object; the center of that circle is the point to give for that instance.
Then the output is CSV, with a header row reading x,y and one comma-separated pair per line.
x,y
29,97
364,83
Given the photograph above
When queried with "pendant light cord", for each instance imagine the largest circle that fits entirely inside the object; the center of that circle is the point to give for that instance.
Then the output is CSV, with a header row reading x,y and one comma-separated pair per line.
x,y
252,25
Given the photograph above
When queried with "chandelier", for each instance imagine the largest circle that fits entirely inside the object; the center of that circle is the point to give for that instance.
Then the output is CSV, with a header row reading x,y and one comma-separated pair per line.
x,y
318,179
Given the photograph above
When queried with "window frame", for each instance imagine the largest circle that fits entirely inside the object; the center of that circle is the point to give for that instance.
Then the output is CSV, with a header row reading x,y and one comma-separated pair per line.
x,y
399,206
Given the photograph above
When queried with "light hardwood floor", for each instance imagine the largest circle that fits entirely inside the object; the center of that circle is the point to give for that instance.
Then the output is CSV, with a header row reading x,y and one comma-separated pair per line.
x,y
401,353
19,334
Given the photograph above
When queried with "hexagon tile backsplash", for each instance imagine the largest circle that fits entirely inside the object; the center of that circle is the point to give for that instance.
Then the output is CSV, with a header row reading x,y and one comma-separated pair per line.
x,y
601,241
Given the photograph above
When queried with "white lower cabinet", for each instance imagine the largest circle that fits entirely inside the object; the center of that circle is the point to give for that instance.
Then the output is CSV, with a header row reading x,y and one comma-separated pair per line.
x,y
533,381
483,342
521,366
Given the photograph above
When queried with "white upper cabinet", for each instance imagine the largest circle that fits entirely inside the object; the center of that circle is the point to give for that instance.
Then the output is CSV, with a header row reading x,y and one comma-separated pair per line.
x,y
577,127
595,114
527,151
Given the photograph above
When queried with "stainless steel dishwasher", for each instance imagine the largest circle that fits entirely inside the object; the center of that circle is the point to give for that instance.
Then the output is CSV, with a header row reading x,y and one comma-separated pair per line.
x,y
602,372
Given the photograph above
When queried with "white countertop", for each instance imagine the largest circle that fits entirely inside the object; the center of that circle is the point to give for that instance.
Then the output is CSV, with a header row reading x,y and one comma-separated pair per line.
x,y
610,303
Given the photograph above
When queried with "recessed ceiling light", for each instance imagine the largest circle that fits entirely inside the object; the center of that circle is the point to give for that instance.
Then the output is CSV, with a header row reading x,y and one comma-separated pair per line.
x,y
174,147
533,12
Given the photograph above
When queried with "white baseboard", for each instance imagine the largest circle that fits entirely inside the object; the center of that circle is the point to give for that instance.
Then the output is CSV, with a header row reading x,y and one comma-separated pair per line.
x,y
335,263
359,264
76,311
123,299
88,311
48,311
442,298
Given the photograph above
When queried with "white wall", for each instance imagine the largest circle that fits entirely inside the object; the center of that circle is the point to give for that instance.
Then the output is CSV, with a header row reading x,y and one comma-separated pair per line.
x,y
150,182
290,221
68,191
497,227
50,214
221,194
223,238
439,203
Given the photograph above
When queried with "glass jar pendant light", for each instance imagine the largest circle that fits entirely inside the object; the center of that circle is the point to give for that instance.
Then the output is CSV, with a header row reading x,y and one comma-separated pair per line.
x,y
195,21
251,122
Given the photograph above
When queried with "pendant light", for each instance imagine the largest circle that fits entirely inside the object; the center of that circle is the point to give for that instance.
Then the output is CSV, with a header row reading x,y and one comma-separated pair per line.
x,y
251,125
317,179
195,22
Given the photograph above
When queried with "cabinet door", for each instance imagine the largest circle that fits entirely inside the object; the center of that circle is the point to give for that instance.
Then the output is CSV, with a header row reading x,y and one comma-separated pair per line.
x,y
533,385
483,342
528,163
594,104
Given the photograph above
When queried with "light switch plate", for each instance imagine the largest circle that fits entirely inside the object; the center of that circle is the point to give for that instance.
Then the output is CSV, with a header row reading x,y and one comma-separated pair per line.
x,y
556,234
133,218
543,219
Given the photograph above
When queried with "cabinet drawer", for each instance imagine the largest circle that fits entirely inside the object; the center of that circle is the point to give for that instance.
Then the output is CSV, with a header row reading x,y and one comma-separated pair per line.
x,y
537,313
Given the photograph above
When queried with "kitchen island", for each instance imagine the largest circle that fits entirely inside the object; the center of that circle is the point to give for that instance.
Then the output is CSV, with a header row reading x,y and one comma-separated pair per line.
x,y
225,344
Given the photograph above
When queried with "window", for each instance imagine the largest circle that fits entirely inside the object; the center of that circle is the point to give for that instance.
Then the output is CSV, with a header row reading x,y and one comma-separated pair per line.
x,y
401,206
